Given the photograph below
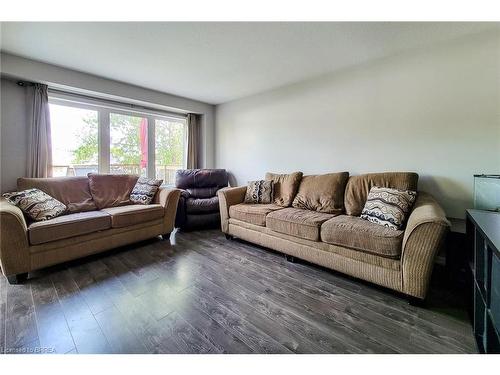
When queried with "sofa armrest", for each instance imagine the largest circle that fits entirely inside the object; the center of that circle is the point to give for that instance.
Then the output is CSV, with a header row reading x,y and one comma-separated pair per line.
x,y
425,233
185,194
228,197
14,245
168,198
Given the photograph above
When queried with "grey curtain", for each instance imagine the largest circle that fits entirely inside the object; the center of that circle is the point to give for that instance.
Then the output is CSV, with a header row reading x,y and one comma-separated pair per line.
x,y
39,142
193,124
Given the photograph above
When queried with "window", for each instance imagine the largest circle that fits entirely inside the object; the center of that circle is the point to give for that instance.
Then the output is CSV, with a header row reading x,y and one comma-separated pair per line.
x,y
170,148
74,140
128,148
97,138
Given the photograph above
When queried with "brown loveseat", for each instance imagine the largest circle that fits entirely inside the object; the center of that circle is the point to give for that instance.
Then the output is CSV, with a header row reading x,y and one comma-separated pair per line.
x,y
99,217
398,259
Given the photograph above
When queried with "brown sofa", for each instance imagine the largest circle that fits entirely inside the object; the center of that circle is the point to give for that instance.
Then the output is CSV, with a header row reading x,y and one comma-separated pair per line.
x,y
398,259
99,217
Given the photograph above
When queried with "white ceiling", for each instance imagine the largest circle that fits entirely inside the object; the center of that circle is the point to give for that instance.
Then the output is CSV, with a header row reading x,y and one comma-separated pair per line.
x,y
219,62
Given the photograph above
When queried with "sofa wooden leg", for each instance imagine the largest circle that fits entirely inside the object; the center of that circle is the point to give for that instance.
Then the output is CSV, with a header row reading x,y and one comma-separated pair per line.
x,y
290,258
166,236
17,279
228,236
415,301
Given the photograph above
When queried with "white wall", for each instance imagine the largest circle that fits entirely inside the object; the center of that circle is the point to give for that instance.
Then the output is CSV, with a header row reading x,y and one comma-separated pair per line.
x,y
13,108
435,111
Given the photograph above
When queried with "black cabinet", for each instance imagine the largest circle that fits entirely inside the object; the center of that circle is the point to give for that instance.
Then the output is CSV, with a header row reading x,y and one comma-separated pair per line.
x,y
483,232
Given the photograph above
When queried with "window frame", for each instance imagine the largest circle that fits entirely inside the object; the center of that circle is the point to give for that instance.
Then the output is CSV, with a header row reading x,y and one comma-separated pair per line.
x,y
104,109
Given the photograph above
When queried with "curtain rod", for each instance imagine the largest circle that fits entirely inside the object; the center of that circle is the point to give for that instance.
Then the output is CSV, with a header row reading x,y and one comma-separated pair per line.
x,y
117,102
25,83
105,100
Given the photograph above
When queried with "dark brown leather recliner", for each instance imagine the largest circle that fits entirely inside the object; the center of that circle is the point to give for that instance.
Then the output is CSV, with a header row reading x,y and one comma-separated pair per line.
x,y
199,204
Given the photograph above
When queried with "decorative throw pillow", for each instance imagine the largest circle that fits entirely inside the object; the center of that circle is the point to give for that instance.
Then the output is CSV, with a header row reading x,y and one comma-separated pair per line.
x,y
36,204
358,187
285,187
259,192
144,190
388,207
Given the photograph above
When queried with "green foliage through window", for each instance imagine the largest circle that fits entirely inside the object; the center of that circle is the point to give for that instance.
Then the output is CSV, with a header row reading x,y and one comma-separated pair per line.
x,y
88,150
125,145
169,143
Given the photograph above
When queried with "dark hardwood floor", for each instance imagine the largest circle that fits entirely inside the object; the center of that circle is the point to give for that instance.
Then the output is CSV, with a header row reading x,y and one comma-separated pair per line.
x,y
200,293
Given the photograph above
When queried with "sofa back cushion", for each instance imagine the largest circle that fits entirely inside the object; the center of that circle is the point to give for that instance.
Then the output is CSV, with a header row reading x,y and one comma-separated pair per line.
x,y
285,187
111,190
73,192
322,193
358,187
201,178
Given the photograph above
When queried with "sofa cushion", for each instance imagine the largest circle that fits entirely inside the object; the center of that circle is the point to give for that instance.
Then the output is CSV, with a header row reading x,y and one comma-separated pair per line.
x,y
358,187
37,205
322,193
67,226
111,190
285,187
356,233
73,192
252,213
144,190
297,222
125,216
202,206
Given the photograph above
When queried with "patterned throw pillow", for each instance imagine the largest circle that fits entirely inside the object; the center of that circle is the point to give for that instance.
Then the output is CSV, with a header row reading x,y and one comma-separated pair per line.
x,y
388,207
36,204
259,192
144,190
